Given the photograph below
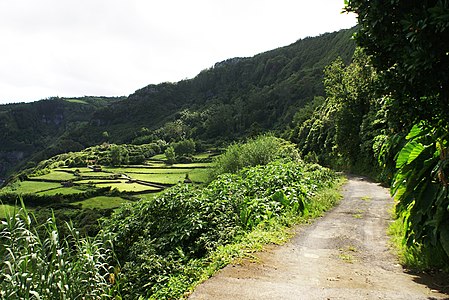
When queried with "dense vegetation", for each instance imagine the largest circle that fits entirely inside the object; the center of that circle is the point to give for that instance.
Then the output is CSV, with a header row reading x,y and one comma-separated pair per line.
x,y
385,115
165,245
407,42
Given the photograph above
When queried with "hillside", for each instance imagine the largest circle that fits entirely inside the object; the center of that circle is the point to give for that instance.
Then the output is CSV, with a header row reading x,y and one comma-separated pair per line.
x,y
235,98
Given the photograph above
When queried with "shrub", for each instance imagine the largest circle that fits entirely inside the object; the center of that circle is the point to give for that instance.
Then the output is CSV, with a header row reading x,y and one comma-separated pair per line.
x,y
257,151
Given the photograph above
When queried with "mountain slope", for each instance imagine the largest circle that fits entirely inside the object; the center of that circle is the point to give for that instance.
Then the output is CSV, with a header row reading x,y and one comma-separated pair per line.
x,y
235,98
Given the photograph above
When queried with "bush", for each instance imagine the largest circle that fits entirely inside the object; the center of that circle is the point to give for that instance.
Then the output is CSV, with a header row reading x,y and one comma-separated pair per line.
x,y
257,151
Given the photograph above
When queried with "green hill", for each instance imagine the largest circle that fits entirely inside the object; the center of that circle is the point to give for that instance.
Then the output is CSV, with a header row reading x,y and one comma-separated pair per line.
x,y
235,98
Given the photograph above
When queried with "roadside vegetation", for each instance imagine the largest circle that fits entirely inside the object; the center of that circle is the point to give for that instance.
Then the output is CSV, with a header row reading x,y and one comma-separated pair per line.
x,y
165,245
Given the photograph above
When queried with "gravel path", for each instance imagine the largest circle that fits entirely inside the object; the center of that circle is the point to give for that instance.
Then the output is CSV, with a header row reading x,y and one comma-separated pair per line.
x,y
344,255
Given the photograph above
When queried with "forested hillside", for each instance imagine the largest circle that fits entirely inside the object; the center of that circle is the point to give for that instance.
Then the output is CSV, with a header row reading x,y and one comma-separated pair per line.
x,y
235,98
42,129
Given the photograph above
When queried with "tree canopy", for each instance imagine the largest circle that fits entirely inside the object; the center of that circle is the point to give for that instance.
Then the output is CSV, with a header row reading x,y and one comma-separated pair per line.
x,y
409,45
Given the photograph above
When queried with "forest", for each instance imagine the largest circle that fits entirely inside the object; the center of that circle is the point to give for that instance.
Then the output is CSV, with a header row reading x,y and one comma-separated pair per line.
x,y
247,147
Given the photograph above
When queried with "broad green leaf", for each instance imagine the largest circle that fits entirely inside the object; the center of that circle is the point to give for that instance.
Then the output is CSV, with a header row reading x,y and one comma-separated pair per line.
x,y
415,153
408,153
414,132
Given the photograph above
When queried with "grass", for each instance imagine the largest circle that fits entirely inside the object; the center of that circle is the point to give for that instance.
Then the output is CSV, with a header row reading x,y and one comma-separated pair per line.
x,y
56,175
366,198
193,165
128,187
102,202
76,101
25,187
415,256
159,157
62,191
6,210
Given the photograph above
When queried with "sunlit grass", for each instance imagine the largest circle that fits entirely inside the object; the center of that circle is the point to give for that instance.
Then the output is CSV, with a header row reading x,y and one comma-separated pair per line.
x,y
56,175
102,202
25,187
128,187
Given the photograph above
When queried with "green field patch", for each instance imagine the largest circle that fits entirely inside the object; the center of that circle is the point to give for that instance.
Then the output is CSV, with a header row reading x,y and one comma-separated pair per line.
x,y
199,175
62,191
98,181
96,174
26,187
163,178
72,170
102,202
56,175
193,165
129,187
154,171
76,101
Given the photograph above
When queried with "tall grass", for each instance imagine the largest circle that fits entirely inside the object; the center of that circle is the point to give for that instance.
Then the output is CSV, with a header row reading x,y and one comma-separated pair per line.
x,y
37,264
416,257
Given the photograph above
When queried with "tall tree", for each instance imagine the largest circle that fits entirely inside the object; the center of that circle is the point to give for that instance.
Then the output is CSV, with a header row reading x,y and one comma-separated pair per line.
x,y
409,43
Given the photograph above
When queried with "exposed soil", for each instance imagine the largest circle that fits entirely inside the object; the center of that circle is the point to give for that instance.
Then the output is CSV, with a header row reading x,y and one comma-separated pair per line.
x,y
344,255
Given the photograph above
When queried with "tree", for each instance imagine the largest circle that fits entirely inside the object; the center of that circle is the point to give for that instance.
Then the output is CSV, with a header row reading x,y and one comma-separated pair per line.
x,y
408,41
170,155
184,147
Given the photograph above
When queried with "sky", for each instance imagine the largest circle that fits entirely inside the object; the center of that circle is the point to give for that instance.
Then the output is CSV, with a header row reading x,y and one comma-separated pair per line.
x,y
72,48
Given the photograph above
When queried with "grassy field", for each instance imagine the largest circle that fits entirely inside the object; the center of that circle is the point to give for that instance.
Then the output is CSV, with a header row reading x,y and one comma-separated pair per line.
x,y
102,202
155,171
56,175
25,187
62,191
128,187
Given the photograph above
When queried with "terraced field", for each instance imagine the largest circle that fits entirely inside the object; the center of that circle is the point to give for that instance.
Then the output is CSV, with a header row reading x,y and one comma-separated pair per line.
x,y
140,181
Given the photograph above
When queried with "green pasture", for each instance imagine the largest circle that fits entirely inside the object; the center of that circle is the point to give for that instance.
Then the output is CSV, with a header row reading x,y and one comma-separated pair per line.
x,y
128,187
159,157
192,165
163,178
62,191
56,175
29,187
102,202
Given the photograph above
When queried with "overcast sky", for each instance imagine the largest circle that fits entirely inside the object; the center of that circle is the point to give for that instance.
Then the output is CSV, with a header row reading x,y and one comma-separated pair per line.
x,y
71,48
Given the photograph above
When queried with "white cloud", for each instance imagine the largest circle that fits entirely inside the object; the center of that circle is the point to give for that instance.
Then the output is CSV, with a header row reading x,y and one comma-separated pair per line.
x,y
113,47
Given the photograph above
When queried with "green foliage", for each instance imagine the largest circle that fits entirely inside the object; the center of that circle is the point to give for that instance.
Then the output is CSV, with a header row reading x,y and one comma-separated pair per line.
x,y
408,42
35,266
257,151
184,147
421,187
170,155
342,130
163,241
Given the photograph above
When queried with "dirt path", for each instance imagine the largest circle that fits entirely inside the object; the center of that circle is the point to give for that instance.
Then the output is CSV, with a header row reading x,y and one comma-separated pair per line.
x,y
344,255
